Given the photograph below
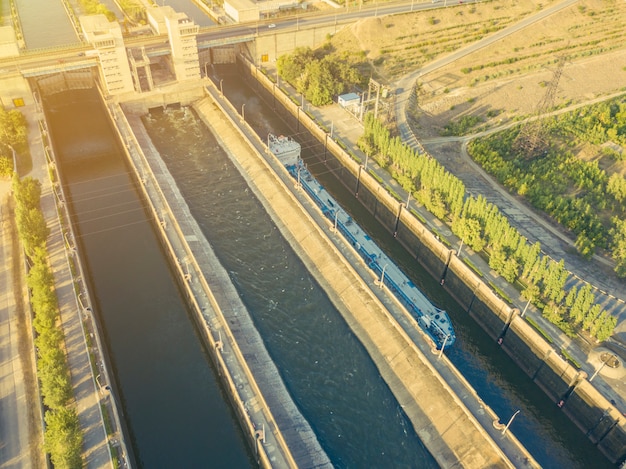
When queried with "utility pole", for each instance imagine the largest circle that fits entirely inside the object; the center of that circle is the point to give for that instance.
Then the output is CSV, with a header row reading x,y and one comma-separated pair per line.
x,y
531,140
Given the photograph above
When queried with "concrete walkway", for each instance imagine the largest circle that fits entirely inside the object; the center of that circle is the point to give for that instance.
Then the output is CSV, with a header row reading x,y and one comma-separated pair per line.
x,y
16,447
96,452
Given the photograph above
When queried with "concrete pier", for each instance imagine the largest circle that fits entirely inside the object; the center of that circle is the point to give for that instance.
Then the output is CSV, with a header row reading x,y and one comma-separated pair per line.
x,y
276,430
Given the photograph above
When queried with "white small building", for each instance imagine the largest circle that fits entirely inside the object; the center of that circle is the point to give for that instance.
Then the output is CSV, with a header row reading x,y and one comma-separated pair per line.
x,y
182,33
350,101
106,38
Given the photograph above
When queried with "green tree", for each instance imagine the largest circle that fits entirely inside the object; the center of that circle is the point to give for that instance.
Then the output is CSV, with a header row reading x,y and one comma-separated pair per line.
x,y
554,280
291,66
616,186
603,327
32,227
6,165
579,302
591,316
618,236
12,127
27,192
63,439
470,231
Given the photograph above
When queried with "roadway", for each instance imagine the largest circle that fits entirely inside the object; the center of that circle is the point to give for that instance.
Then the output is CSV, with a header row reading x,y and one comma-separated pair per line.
x,y
74,56
17,417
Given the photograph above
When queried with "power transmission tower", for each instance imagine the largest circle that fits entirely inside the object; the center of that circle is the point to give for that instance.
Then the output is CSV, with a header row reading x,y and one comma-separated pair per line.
x,y
377,88
532,139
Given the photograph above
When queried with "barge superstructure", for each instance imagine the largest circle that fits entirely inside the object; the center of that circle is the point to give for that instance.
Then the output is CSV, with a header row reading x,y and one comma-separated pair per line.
x,y
434,321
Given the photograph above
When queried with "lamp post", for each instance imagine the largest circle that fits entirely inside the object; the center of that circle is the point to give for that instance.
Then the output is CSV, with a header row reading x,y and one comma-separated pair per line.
x,y
525,308
243,112
510,420
221,89
443,346
381,282
604,362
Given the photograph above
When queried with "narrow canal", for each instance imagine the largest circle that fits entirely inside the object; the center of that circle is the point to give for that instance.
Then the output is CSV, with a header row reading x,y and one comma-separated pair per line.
x,y
171,397
45,24
330,375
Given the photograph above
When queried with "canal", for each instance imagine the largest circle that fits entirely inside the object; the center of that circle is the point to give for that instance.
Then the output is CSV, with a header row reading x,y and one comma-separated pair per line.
x,y
172,401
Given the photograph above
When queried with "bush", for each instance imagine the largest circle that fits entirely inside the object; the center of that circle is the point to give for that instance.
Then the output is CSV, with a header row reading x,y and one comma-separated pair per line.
x,y
6,166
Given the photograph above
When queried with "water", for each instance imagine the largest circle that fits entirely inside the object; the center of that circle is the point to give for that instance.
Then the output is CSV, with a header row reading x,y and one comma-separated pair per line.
x,y
326,369
173,404
45,24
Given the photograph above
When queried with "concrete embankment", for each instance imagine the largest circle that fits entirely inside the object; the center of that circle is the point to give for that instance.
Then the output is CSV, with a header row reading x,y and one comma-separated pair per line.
x,y
277,432
442,421
592,412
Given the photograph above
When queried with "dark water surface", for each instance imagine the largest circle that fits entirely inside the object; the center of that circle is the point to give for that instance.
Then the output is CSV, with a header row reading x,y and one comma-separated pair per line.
x,y
326,369
174,407
45,23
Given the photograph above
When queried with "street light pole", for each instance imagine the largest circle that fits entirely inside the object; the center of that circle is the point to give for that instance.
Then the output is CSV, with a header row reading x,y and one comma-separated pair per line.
x,y
604,362
243,112
511,420
443,346
381,283
221,89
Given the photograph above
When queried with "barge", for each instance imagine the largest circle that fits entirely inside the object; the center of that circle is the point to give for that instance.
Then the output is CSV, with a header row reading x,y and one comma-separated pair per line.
x,y
434,321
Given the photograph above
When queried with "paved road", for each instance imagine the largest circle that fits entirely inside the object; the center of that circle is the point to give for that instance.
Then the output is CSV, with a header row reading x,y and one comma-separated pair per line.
x,y
15,448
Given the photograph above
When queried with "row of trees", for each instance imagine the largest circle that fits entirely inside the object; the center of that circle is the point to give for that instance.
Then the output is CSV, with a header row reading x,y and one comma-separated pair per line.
x,y
63,436
94,7
578,194
318,75
483,228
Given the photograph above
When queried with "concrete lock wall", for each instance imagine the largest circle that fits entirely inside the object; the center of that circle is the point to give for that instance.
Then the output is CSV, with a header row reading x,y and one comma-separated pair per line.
x,y
586,407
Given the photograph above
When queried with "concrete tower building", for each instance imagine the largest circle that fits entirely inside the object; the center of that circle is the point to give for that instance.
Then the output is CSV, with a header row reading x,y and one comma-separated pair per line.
x,y
106,39
182,34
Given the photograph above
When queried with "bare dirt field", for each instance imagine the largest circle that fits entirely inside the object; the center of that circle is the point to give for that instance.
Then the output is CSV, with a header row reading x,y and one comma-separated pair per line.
x,y
505,81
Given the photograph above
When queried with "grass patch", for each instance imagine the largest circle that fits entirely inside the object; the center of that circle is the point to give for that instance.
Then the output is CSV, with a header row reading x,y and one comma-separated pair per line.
x,y
539,329
418,216
471,265
500,292
570,359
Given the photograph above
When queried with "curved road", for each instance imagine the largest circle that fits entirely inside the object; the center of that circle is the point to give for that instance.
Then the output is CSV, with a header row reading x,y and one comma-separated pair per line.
x,y
452,154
